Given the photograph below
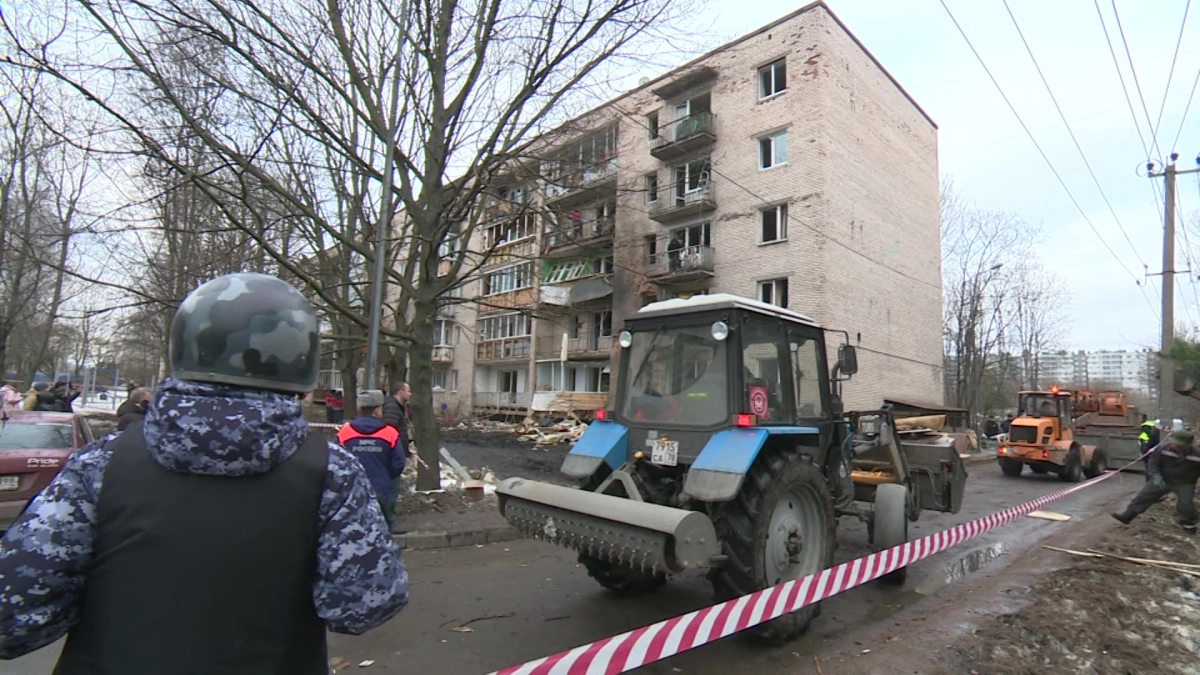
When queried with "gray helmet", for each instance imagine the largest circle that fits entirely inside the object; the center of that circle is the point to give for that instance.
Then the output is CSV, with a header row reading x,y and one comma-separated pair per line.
x,y
248,330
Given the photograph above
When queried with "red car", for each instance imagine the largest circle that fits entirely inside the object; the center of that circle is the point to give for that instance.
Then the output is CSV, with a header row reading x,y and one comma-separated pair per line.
x,y
34,446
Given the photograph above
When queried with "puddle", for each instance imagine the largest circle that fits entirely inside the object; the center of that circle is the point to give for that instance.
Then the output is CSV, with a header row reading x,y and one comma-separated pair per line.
x,y
962,567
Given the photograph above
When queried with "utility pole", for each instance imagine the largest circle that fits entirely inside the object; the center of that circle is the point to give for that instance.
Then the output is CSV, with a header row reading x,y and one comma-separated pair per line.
x,y
1166,369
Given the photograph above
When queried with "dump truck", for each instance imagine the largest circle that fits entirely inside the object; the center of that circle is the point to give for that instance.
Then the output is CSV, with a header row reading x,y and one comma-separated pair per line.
x,y
727,450
1112,425
1043,438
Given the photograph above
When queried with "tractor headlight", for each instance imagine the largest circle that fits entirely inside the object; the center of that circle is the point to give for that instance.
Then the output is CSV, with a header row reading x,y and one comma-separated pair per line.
x,y
720,331
625,339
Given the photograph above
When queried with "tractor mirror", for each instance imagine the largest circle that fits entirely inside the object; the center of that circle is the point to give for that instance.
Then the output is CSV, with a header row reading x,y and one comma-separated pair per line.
x,y
847,360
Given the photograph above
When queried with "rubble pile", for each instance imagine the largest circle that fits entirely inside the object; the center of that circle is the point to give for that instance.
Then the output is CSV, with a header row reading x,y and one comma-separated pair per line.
x,y
547,431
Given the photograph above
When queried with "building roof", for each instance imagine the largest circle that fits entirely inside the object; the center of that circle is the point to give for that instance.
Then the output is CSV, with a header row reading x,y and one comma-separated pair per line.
x,y
698,303
696,62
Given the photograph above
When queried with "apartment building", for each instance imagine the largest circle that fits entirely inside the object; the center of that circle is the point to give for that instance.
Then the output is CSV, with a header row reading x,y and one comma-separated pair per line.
x,y
1132,370
787,165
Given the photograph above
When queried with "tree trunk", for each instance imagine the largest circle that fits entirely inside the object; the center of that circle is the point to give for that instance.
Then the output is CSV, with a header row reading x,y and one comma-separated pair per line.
x,y
396,367
425,426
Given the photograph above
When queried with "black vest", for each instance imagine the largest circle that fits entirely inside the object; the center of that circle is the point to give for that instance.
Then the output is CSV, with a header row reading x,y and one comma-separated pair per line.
x,y
202,575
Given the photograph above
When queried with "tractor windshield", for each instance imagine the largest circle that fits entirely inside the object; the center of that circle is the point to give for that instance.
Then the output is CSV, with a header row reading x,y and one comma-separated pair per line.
x,y
677,376
1036,405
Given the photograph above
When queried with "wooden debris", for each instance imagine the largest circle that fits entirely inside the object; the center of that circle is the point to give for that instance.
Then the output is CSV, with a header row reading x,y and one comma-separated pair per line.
x,y
1048,515
1180,568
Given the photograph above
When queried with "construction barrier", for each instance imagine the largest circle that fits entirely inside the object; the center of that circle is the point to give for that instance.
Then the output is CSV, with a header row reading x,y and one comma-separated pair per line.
x,y
627,651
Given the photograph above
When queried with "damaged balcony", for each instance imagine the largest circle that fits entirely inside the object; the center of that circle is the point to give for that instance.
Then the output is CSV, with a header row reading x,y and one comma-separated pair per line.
x,y
593,181
684,136
443,354
683,265
507,349
684,200
572,234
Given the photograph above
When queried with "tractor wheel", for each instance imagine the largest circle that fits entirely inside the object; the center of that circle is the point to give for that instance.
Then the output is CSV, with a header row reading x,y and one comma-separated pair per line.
x,y
1072,471
1011,467
779,528
889,525
1098,465
1038,468
623,582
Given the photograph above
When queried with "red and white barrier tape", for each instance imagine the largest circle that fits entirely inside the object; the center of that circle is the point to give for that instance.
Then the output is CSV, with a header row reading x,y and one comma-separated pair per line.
x,y
627,651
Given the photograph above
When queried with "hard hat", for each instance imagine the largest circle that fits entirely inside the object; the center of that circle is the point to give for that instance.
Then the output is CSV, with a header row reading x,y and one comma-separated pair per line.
x,y
247,330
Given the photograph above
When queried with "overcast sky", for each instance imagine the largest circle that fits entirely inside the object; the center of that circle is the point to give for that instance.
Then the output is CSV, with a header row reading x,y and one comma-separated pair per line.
x,y
993,162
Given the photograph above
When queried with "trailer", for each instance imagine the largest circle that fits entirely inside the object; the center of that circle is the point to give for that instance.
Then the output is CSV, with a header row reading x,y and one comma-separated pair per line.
x,y
1112,425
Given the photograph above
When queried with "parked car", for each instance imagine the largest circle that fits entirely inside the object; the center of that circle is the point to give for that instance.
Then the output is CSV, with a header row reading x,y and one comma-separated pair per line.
x,y
33,448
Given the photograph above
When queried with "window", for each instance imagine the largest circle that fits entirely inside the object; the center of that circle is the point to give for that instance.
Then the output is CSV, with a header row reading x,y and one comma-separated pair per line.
x,y
577,269
453,380
695,235
449,246
691,177
444,333
774,223
439,379
602,323
651,188
772,150
509,230
509,279
458,335
774,292
503,326
651,248
652,125
806,374
762,379
772,79
16,436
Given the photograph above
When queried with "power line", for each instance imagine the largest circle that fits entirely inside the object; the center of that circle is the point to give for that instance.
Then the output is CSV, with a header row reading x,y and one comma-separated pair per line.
x,y
1035,143
1171,74
1186,108
1137,126
1029,50
1136,82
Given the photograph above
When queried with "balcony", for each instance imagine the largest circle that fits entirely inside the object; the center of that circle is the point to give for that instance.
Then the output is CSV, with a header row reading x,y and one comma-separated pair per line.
x,y
589,347
684,136
503,400
507,349
687,264
443,354
583,184
504,253
680,202
571,236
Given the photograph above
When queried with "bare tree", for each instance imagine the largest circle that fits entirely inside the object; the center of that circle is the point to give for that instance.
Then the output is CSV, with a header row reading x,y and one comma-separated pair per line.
x,y
428,102
1002,306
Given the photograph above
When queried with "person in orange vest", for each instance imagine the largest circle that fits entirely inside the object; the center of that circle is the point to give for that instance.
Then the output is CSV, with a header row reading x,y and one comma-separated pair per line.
x,y
377,447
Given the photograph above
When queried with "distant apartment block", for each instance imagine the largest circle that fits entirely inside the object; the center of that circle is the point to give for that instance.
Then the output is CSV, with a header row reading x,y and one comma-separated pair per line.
x,y
1132,370
787,166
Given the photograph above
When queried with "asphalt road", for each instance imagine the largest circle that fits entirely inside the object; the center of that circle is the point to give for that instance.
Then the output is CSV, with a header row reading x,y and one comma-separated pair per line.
x,y
525,599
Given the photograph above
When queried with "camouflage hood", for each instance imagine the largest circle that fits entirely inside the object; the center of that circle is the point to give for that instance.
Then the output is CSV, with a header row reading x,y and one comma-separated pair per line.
x,y
215,430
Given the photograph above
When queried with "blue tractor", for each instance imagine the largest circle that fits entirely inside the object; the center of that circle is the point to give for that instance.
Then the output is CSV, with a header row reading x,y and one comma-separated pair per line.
x,y
727,450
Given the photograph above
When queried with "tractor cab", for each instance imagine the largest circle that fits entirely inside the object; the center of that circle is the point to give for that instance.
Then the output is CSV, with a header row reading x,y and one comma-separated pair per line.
x,y
689,370
1044,418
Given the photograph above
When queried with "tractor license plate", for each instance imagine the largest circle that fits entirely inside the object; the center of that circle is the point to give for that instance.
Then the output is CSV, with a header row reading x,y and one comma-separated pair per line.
x,y
869,426
10,482
665,453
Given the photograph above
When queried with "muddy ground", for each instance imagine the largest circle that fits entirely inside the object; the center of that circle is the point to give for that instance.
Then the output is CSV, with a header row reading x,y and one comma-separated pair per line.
x,y
1101,616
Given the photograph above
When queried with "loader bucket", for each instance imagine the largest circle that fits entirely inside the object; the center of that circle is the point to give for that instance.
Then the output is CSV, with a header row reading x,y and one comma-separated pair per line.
x,y
626,532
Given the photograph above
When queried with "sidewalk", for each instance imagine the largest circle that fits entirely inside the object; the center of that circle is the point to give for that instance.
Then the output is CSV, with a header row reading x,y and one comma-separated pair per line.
x,y
480,525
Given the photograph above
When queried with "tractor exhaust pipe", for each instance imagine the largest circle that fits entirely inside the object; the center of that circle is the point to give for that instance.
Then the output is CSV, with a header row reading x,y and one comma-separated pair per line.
x,y
635,534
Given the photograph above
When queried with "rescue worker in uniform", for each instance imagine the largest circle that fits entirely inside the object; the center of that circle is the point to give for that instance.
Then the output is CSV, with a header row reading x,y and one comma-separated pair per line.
x,y
377,445
1147,441
216,535
1174,467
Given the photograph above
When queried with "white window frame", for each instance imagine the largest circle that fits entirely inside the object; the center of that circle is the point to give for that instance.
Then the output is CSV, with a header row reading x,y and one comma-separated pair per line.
x,y
444,333
652,188
503,327
780,211
774,286
775,141
772,69
510,279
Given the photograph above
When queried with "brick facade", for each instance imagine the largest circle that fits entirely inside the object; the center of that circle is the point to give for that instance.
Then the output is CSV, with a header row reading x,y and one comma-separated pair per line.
x,y
860,186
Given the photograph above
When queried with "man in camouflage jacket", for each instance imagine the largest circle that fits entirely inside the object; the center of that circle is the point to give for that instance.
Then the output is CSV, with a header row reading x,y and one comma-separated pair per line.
x,y
199,501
